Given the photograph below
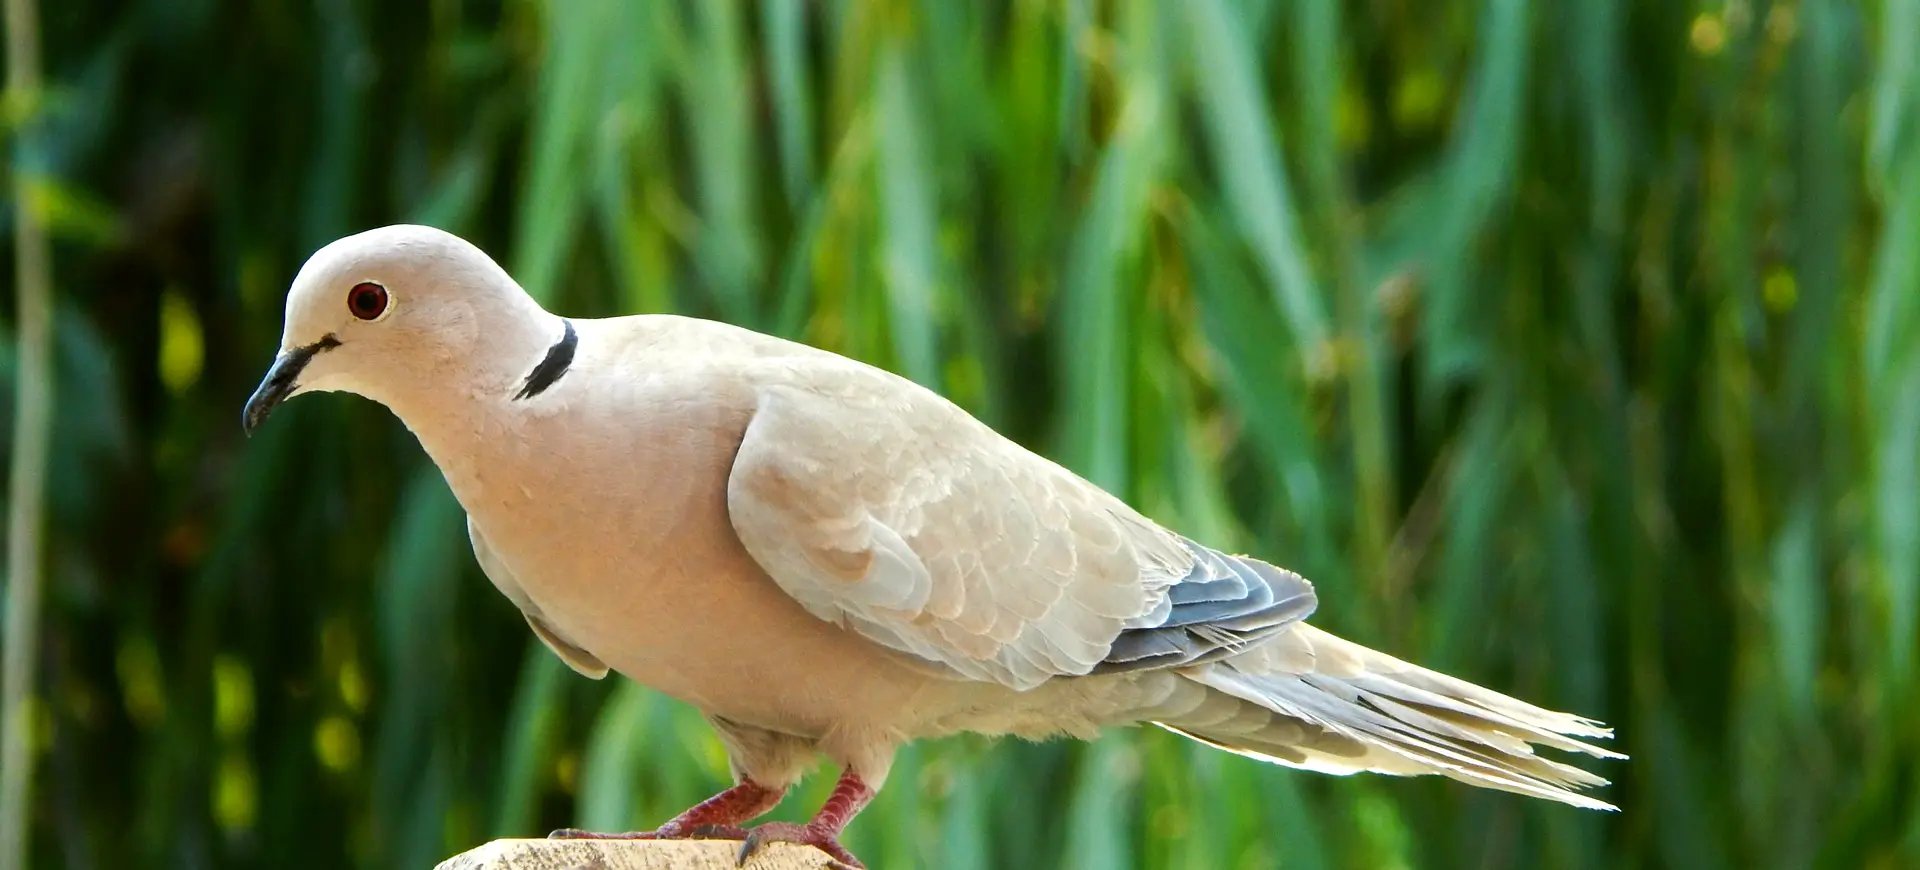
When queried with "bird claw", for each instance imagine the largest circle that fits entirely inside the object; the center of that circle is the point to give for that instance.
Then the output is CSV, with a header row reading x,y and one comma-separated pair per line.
x,y
803,835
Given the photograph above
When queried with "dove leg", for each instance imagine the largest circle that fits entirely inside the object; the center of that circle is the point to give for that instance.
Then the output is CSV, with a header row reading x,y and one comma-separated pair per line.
x,y
717,817
850,795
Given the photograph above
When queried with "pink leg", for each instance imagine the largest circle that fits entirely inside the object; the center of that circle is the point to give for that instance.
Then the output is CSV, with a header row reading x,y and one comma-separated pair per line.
x,y
717,817
849,796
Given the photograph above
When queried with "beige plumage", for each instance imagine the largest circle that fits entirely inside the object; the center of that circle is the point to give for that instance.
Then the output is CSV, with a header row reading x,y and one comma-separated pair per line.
x,y
829,560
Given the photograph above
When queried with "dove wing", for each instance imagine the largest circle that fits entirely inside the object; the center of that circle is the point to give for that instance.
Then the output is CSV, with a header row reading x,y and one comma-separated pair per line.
x,y
884,508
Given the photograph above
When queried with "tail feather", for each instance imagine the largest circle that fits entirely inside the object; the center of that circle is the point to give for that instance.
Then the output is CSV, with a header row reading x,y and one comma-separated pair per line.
x,y
1367,711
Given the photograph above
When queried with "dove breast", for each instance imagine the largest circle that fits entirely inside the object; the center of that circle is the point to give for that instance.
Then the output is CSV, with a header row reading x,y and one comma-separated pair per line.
x,y
605,496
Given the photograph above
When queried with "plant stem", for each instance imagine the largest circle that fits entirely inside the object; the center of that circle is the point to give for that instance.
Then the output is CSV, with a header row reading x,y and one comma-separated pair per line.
x,y
32,423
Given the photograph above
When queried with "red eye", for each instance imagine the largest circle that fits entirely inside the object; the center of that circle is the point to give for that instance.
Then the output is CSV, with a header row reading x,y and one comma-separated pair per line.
x,y
367,301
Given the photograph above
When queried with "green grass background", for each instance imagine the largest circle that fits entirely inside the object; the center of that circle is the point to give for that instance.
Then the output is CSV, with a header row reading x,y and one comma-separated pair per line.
x,y
1567,346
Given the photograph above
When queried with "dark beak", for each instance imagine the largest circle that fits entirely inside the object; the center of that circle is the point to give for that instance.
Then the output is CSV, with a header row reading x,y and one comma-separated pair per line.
x,y
280,382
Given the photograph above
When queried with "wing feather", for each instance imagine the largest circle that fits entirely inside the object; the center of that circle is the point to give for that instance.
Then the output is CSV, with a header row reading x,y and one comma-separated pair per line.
x,y
881,507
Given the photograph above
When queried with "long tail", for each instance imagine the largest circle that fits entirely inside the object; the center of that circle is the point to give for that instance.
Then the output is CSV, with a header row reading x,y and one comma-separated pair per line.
x,y
1311,700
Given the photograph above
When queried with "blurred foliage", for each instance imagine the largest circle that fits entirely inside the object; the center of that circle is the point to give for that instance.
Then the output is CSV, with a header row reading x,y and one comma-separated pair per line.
x,y
1568,347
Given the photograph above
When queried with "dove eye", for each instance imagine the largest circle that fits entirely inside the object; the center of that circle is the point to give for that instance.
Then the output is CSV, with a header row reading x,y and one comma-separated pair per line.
x,y
367,301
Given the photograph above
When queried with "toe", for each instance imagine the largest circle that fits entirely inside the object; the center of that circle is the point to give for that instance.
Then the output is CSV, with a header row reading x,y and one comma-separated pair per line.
x,y
760,836
803,835
577,834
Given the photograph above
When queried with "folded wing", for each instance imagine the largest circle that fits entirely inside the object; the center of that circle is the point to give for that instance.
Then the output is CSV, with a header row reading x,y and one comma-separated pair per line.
x,y
884,508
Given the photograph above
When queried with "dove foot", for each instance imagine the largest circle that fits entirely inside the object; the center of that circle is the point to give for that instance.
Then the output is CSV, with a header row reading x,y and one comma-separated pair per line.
x,y
716,818
805,835
850,794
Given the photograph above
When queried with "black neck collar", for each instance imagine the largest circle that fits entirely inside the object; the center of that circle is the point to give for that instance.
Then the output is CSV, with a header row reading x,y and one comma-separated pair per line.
x,y
559,358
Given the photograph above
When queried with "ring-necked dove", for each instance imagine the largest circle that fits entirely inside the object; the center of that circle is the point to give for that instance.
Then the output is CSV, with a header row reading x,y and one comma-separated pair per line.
x,y
828,559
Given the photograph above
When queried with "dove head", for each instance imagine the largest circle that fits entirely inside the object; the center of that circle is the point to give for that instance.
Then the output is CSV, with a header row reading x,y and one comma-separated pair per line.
x,y
401,312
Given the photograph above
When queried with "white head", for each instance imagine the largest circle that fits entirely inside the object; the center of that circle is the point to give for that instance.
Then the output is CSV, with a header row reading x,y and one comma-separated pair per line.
x,y
397,310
